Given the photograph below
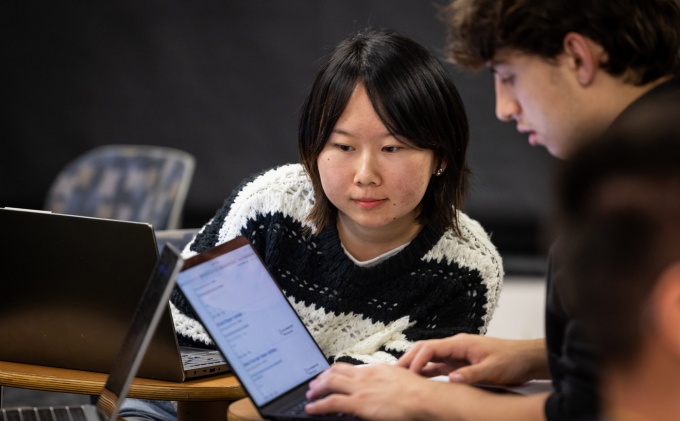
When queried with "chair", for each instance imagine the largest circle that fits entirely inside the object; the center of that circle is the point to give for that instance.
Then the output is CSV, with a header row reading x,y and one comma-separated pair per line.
x,y
177,237
129,182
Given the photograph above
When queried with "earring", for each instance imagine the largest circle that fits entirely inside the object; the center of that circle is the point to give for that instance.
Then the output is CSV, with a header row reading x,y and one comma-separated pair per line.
x,y
439,172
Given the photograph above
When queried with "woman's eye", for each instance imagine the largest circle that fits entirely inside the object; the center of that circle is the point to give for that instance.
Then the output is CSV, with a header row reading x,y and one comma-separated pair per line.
x,y
391,148
343,148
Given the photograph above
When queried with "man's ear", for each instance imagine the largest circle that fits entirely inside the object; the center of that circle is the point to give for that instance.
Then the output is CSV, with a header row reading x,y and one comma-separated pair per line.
x,y
584,56
666,305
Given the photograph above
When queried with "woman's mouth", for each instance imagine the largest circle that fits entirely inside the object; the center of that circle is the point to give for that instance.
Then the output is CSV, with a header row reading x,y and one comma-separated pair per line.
x,y
369,203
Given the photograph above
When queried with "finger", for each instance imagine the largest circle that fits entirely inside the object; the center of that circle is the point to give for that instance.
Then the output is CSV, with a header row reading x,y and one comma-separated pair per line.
x,y
453,351
437,369
330,381
331,404
469,374
405,360
421,358
457,347
335,369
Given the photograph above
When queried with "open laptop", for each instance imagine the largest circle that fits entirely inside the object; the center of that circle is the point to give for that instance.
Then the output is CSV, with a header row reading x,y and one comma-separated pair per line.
x,y
149,310
266,344
69,289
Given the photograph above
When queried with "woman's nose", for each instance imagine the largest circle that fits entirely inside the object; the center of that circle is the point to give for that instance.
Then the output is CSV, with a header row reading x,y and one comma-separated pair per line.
x,y
367,171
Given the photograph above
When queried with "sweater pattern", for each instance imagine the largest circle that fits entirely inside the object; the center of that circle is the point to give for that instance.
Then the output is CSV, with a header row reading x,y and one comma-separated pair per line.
x,y
437,286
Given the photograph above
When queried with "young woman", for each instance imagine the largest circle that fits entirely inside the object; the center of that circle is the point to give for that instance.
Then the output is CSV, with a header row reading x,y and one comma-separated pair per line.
x,y
365,236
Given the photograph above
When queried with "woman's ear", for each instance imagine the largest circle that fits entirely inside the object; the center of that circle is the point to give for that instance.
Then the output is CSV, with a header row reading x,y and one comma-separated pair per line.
x,y
440,169
584,56
666,305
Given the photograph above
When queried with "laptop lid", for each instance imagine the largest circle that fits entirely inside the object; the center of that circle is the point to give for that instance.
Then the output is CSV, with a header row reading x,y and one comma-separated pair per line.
x,y
148,313
70,287
253,324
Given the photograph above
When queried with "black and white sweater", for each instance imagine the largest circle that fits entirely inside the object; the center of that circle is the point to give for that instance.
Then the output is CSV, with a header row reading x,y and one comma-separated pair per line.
x,y
437,286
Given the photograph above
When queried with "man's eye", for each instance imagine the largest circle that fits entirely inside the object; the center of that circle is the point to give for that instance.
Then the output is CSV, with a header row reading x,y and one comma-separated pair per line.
x,y
508,80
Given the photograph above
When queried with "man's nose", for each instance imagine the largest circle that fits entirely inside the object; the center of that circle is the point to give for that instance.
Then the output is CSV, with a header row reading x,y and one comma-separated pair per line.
x,y
507,106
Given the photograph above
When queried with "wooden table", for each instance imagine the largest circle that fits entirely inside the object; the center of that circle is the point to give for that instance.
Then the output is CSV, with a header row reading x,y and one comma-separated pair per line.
x,y
201,399
243,410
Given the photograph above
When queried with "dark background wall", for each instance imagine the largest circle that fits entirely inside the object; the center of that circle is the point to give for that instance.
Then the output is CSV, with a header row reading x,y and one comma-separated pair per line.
x,y
223,80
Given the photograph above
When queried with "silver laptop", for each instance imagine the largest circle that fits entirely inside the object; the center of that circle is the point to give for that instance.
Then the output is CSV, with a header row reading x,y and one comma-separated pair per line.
x,y
253,324
150,308
70,286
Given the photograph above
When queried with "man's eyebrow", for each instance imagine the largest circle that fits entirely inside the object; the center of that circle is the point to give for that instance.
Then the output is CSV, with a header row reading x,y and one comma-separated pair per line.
x,y
492,64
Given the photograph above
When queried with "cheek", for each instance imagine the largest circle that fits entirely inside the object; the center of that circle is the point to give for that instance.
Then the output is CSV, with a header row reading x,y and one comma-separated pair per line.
x,y
418,189
411,186
329,173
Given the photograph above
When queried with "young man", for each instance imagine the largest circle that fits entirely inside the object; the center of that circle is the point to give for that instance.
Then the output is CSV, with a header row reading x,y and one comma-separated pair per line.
x,y
620,246
565,72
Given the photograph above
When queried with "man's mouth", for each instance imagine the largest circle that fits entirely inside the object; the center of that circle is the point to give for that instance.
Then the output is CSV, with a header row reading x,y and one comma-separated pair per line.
x,y
533,137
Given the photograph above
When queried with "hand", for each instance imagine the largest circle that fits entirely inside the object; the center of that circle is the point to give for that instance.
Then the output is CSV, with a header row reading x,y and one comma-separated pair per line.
x,y
375,392
387,392
473,359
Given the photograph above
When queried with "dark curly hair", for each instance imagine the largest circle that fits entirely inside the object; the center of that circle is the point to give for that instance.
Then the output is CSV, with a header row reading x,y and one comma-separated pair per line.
x,y
641,37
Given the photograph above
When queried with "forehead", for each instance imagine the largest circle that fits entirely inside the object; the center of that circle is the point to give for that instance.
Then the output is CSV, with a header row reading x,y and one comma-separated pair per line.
x,y
503,56
517,60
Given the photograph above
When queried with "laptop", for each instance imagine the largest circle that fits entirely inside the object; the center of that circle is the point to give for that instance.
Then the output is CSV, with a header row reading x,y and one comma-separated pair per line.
x,y
70,286
149,310
266,344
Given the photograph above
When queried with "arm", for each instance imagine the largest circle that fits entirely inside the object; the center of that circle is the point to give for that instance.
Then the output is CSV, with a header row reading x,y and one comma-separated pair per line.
x,y
479,359
384,392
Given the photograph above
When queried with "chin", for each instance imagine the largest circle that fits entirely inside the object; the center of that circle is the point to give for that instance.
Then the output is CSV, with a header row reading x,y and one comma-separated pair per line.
x,y
372,223
557,153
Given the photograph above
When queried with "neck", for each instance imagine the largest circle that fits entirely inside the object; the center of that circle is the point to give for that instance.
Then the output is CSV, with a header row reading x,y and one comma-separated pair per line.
x,y
365,243
611,96
626,94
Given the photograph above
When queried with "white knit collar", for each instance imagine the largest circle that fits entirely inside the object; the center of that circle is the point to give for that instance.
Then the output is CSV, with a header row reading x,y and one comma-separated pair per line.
x,y
374,261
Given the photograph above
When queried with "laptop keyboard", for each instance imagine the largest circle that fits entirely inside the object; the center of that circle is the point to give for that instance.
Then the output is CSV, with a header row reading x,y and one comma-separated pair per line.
x,y
298,409
66,413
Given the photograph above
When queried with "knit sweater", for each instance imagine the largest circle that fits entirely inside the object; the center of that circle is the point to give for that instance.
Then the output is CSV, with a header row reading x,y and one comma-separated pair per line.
x,y
440,284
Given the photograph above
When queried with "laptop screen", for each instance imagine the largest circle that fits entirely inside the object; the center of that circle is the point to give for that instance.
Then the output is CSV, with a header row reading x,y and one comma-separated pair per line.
x,y
250,319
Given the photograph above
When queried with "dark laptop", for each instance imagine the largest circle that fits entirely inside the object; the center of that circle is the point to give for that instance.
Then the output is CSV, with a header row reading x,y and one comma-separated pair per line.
x,y
253,324
148,313
69,289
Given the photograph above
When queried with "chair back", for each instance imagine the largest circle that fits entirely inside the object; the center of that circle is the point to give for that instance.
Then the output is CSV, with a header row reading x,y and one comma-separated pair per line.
x,y
129,182
177,237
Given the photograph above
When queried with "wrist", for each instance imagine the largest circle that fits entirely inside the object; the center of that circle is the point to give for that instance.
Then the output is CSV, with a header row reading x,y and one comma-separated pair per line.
x,y
537,354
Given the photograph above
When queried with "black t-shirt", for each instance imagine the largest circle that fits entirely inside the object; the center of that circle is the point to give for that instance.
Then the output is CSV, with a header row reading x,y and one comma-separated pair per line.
x,y
572,361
